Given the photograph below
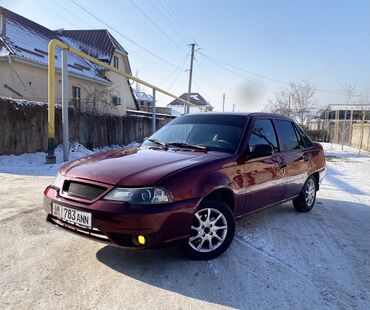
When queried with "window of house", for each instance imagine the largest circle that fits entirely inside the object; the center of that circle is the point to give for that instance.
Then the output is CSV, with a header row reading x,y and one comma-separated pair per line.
x,y
76,96
115,62
263,133
287,135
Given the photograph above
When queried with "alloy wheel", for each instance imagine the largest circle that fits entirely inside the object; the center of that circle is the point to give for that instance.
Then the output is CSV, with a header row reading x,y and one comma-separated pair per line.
x,y
208,231
310,192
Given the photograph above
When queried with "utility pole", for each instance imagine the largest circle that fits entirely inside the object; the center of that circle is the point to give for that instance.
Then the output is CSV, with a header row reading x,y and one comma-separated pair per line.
x,y
186,107
233,107
223,102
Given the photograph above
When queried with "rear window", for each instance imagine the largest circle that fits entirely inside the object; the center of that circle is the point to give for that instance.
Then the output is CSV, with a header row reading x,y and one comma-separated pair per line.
x,y
287,135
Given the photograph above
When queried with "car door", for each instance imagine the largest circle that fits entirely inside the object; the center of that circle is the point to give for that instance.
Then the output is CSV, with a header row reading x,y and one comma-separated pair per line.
x,y
295,156
265,179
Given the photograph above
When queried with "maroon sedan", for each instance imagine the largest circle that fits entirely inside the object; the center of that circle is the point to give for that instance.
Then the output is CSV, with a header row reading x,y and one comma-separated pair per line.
x,y
188,182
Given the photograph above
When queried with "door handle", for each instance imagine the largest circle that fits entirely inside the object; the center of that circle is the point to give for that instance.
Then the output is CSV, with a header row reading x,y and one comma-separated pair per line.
x,y
305,156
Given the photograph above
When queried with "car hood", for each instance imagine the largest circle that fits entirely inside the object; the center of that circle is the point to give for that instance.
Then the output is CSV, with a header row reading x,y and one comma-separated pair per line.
x,y
135,166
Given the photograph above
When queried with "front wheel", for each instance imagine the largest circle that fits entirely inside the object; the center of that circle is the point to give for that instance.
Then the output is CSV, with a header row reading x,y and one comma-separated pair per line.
x,y
211,232
306,199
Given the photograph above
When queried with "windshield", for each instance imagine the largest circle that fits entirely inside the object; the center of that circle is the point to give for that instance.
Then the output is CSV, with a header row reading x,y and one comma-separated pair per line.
x,y
214,132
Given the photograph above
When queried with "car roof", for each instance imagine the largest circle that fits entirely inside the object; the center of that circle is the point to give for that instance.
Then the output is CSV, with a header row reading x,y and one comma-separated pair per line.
x,y
270,115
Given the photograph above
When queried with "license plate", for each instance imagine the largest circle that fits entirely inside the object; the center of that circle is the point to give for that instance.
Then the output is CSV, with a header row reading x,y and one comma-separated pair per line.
x,y
72,215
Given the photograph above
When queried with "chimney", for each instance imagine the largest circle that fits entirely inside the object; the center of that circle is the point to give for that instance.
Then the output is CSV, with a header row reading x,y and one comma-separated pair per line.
x,y
2,21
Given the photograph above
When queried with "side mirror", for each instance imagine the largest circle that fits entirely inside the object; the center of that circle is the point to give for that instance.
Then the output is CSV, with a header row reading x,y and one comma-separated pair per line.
x,y
260,150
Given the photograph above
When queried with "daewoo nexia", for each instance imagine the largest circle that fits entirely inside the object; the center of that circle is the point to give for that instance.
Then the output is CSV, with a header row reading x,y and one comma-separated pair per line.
x,y
188,182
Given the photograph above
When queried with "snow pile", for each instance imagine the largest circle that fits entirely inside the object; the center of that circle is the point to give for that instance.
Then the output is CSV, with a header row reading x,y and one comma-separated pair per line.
x,y
34,163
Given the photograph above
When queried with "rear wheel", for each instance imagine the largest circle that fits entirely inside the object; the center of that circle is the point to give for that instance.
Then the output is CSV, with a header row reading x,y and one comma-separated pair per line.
x,y
211,232
306,199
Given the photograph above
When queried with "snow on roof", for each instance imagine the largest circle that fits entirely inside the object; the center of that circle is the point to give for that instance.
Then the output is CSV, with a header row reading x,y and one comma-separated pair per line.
x,y
139,95
195,98
29,40
98,43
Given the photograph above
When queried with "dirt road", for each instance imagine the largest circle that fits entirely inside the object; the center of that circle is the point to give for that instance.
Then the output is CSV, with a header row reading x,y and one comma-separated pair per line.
x,y
279,259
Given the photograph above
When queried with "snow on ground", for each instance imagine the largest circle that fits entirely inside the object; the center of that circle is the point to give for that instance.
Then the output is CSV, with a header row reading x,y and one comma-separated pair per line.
x,y
34,163
348,174
280,259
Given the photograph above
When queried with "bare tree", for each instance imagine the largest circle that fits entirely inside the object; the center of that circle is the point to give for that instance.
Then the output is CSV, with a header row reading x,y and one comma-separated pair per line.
x,y
296,101
349,90
97,100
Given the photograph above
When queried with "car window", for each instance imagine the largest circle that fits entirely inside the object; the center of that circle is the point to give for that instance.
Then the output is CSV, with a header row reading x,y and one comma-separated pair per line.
x,y
299,137
288,137
306,140
263,132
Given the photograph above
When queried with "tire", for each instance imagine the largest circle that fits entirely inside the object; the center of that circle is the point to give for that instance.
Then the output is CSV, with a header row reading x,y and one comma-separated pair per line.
x,y
209,239
306,199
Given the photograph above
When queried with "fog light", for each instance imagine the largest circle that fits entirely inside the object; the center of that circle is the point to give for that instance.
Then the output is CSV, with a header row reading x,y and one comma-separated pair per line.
x,y
141,239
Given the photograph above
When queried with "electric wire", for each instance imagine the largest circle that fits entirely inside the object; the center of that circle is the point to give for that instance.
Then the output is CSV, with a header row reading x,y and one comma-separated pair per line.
x,y
121,34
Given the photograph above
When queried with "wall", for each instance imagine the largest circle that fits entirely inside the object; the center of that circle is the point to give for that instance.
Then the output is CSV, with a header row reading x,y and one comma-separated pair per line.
x,y
120,85
361,131
350,135
23,127
95,96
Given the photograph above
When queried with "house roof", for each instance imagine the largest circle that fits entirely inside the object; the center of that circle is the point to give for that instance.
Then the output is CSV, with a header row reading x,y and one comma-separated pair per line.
x,y
98,43
28,40
139,95
195,98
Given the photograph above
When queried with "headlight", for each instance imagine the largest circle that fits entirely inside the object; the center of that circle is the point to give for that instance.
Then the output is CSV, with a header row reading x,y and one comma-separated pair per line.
x,y
145,195
58,181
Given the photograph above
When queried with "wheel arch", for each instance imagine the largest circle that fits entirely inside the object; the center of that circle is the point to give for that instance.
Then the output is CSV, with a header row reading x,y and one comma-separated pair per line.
x,y
316,175
223,194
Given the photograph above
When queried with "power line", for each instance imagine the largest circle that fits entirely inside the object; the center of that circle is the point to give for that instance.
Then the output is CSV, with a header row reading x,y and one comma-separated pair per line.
x,y
176,69
177,77
209,81
176,19
72,14
121,34
162,14
341,56
155,25
47,8
226,65
220,64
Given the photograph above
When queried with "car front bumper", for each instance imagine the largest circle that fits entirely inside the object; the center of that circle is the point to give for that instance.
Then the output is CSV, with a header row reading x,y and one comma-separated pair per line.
x,y
119,223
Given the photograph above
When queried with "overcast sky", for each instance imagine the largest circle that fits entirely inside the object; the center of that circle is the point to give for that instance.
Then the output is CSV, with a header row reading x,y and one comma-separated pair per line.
x,y
247,49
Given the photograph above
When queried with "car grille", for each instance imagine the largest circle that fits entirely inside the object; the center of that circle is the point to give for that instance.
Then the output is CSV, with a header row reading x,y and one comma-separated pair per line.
x,y
83,190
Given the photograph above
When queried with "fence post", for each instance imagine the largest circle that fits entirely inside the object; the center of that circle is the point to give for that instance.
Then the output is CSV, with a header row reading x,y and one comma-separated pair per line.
x,y
350,128
154,113
336,126
344,127
362,130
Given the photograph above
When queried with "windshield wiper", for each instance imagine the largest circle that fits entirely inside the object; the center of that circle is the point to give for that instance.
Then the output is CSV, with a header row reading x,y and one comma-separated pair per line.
x,y
155,141
189,146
